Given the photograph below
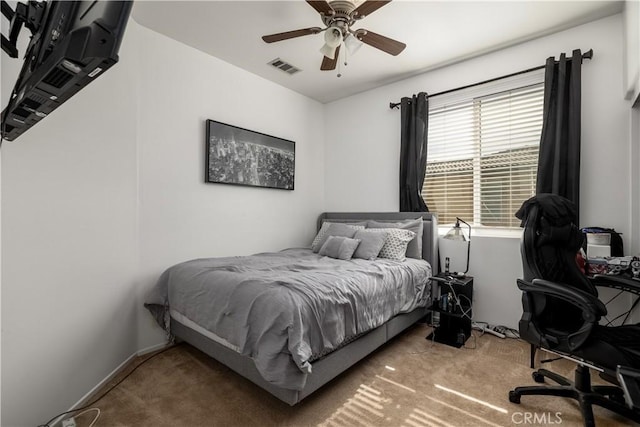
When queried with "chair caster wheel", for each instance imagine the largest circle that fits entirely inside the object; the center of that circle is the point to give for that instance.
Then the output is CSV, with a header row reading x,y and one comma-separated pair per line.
x,y
514,397
537,377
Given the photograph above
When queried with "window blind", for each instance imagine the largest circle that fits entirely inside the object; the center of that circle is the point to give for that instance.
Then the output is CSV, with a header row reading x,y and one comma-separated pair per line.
x,y
482,155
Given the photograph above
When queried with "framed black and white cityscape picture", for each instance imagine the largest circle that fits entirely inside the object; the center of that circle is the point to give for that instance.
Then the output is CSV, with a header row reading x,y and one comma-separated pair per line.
x,y
243,157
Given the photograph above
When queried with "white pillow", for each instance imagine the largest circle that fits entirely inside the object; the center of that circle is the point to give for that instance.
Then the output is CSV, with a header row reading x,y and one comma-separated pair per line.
x,y
395,245
414,249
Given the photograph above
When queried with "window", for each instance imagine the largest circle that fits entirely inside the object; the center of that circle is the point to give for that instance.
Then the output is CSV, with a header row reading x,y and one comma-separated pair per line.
x,y
482,156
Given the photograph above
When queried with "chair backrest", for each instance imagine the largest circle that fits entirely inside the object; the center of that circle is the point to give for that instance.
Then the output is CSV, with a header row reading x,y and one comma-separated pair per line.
x,y
550,243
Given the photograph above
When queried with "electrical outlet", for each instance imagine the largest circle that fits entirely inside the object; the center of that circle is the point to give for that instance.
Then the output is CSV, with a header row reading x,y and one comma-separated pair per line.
x,y
69,422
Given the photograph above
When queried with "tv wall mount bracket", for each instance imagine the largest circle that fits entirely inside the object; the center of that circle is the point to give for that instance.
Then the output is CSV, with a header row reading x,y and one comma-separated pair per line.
x,y
28,14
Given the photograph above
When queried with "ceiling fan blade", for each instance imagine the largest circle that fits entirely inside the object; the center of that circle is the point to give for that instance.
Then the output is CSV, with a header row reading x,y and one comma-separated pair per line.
x,y
291,34
368,7
328,63
321,6
392,47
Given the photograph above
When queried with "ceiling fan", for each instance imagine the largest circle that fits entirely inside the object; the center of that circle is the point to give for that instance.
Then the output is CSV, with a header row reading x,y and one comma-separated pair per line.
x,y
338,17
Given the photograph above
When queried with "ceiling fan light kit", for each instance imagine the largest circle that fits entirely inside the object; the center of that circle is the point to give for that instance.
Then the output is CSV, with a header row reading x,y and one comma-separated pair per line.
x,y
352,44
332,39
338,17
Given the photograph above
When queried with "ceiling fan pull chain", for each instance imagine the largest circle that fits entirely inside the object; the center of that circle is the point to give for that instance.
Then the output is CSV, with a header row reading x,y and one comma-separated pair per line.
x,y
346,53
338,16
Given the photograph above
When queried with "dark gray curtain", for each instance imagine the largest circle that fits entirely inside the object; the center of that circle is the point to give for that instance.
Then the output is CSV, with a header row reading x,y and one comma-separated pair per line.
x,y
414,116
559,158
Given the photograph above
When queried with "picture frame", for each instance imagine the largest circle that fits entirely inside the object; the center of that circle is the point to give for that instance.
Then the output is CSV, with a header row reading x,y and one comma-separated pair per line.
x,y
239,156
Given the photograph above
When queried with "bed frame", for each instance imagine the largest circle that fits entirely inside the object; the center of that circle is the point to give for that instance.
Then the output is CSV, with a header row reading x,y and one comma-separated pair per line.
x,y
333,364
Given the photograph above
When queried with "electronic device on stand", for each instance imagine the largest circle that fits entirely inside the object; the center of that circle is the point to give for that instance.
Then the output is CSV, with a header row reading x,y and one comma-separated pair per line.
x,y
452,309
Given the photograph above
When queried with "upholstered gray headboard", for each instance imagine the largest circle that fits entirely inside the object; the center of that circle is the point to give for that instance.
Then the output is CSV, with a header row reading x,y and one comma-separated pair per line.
x,y
429,235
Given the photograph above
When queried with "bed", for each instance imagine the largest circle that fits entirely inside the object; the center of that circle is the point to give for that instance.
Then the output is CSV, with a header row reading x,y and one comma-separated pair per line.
x,y
337,312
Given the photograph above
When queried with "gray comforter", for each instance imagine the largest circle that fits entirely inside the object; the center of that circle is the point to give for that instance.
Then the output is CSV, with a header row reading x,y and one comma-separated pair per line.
x,y
288,308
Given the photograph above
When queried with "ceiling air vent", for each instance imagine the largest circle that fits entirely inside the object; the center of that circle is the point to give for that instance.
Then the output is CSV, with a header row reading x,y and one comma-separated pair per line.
x,y
284,66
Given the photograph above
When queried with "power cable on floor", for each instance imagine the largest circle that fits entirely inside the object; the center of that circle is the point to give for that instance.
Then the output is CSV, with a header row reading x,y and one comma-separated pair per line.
x,y
89,406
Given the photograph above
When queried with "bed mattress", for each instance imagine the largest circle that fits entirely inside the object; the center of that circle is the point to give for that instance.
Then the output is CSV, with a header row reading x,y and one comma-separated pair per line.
x,y
287,309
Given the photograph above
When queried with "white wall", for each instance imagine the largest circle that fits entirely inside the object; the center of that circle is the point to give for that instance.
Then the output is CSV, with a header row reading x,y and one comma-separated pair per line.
x,y
108,191
181,217
634,196
632,92
69,247
634,191
631,15
362,149
103,195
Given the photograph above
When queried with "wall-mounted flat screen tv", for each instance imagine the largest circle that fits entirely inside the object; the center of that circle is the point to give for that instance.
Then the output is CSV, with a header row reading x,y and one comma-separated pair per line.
x,y
72,44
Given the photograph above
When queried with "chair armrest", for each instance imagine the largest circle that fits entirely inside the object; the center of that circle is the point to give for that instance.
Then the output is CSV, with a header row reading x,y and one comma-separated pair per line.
x,y
593,309
617,282
537,333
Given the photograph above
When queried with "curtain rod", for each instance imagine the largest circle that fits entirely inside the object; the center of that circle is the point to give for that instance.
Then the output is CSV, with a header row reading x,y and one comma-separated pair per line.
x,y
586,55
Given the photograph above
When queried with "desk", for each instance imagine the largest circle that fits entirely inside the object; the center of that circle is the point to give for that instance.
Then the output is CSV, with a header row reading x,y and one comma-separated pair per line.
x,y
453,317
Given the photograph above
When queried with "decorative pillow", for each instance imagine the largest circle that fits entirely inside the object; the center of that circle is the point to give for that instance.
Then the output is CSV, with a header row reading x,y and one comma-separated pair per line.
x,y
333,229
339,247
371,243
325,226
395,246
414,250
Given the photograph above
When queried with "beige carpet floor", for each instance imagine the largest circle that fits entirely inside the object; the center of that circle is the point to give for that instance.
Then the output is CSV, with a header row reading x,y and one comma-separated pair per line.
x,y
410,382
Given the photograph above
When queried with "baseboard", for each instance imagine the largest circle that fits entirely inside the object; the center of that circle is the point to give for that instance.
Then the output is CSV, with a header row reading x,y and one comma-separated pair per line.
x,y
152,348
85,399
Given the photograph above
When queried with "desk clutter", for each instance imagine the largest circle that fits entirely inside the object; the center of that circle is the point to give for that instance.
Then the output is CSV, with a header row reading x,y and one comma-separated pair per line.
x,y
628,266
602,242
604,254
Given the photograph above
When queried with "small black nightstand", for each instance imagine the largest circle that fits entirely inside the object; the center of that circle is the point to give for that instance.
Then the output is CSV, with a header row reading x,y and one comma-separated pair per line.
x,y
454,326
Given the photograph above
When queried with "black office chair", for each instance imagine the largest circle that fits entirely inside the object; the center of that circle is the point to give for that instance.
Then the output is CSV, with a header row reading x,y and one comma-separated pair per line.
x,y
561,311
